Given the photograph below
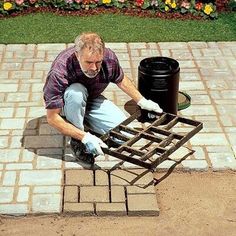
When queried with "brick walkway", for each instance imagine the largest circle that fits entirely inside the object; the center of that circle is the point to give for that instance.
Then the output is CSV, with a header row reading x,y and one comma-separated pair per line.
x,y
33,160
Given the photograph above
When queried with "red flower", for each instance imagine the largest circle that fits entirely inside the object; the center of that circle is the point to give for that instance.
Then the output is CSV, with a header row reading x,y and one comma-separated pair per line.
x,y
139,3
198,6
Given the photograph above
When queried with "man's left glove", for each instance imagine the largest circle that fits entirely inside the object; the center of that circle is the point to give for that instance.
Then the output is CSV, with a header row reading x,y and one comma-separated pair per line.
x,y
93,144
149,105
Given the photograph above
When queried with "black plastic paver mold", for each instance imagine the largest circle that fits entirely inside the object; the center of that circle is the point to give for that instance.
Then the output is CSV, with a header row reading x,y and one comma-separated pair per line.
x,y
148,147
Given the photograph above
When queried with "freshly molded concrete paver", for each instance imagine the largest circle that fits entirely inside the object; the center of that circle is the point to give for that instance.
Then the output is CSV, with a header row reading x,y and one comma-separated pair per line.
x,y
34,156
114,197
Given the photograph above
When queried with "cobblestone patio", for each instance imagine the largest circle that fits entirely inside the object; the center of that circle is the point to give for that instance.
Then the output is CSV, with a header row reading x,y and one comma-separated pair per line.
x,y
34,157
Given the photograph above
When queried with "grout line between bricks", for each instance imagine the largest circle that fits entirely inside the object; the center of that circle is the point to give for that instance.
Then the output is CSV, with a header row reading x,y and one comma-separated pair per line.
x,y
63,191
109,185
78,194
94,180
95,210
126,201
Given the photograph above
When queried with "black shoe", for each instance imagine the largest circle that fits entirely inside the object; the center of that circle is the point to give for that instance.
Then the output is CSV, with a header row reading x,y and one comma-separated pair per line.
x,y
80,152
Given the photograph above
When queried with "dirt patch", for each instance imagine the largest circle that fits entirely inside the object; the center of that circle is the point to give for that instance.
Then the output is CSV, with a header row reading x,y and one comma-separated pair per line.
x,y
190,204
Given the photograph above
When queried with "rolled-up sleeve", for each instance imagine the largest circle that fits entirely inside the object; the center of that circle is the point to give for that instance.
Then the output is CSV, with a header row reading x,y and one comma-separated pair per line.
x,y
54,91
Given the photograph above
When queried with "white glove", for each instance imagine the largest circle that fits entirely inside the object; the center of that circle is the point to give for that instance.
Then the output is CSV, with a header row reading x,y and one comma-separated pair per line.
x,y
93,144
149,105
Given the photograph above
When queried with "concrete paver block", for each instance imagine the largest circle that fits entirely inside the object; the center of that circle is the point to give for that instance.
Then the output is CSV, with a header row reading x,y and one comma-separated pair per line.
x,y
117,194
40,177
23,194
94,194
14,209
79,178
71,194
133,177
142,205
82,209
6,194
46,203
140,190
111,209
43,141
101,177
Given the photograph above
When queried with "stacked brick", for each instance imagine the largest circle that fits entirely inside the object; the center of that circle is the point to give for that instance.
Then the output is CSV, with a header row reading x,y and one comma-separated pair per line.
x,y
117,193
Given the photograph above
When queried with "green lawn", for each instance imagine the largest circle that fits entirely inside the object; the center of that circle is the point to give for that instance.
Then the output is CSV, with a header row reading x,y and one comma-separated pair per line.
x,y
50,28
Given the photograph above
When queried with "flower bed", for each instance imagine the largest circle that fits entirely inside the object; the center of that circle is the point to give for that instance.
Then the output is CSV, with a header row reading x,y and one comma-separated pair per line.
x,y
153,7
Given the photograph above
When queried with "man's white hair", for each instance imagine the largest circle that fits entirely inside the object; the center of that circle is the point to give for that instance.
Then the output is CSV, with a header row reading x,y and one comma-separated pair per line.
x,y
92,41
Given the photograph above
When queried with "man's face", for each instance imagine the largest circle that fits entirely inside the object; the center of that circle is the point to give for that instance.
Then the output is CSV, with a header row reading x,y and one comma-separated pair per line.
x,y
90,63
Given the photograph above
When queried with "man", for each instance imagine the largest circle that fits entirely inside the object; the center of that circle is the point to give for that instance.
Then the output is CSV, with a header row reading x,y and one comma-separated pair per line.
x,y
73,89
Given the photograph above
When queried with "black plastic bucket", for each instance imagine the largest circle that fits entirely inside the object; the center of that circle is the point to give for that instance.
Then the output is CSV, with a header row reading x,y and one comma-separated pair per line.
x,y
158,80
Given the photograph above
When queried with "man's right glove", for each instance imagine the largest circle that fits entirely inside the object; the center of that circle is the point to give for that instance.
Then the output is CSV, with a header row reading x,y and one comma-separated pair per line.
x,y
149,105
93,144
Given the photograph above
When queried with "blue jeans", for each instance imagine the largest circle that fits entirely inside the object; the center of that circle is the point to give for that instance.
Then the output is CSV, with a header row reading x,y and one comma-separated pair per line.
x,y
99,114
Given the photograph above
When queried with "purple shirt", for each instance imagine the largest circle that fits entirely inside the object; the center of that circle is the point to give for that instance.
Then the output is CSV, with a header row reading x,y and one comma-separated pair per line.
x,y
65,70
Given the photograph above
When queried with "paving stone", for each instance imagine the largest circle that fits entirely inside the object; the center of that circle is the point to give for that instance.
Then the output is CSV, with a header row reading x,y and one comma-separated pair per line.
x,y
19,166
12,123
4,142
47,189
101,177
47,129
173,45
27,156
14,209
23,194
106,165
142,205
94,194
117,46
52,162
36,111
198,165
46,203
80,178
165,165
51,47
11,66
191,85
50,152
9,178
82,209
9,155
20,112
8,88
222,161
199,109
232,138
198,45
43,141
6,194
206,139
44,66
111,209
140,190
71,194
134,177
6,112
117,194
40,177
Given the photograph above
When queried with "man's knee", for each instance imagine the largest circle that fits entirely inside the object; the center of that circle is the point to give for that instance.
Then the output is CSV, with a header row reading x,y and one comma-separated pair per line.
x,y
76,94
